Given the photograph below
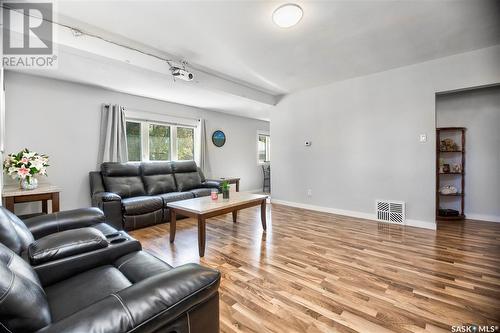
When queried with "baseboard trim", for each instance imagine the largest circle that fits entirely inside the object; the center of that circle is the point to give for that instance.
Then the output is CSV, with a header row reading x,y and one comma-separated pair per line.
x,y
483,217
351,213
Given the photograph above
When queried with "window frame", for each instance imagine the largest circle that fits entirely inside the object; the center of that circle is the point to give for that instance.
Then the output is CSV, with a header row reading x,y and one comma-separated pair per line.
x,y
173,137
177,141
268,147
146,138
140,137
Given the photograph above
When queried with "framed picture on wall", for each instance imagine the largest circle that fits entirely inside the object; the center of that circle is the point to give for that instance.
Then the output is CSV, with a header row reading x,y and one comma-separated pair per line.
x,y
218,138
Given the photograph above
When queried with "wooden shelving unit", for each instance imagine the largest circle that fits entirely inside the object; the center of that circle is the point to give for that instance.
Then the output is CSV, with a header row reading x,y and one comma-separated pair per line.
x,y
442,133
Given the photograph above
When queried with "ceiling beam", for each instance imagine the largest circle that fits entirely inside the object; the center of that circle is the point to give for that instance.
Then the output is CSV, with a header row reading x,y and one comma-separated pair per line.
x,y
202,80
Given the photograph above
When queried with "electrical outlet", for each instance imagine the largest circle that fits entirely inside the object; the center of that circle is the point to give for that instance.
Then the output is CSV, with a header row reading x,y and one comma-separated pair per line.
x,y
423,138
309,193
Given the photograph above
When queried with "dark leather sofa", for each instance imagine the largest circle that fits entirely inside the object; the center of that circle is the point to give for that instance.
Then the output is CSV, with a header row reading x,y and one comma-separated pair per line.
x,y
135,195
125,290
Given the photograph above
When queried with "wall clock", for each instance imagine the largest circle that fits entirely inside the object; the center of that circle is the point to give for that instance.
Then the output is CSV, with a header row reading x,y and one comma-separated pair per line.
x,y
219,138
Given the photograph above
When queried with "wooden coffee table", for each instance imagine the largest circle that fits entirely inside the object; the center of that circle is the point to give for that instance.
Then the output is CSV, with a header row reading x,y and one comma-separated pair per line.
x,y
204,208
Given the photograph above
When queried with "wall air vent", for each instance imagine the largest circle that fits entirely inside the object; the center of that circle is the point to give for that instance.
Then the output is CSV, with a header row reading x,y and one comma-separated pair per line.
x,y
390,211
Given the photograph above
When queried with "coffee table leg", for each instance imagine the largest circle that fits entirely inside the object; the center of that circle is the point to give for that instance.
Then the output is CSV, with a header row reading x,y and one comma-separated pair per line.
x,y
201,236
263,213
235,215
173,222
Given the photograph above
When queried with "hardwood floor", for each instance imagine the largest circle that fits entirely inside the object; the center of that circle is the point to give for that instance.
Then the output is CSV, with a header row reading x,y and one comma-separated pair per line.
x,y
318,272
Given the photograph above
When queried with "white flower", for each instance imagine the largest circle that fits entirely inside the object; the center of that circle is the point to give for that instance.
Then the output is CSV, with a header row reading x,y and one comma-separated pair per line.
x,y
30,154
12,170
37,163
25,163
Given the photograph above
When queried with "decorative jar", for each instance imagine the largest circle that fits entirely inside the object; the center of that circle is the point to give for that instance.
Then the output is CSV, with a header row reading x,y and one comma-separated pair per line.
x,y
29,183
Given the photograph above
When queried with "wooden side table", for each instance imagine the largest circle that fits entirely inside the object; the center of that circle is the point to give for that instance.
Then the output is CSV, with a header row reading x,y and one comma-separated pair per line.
x,y
230,180
12,194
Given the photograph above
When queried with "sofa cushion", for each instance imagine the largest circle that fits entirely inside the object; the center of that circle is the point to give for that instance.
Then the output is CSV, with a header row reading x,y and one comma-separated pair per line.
x,y
201,192
202,175
138,266
13,232
187,181
23,303
176,196
186,175
123,179
79,291
158,177
142,205
184,166
132,222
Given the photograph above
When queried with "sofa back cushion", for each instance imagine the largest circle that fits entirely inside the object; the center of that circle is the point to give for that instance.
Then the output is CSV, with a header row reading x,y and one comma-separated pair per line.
x,y
123,179
23,305
13,232
202,175
158,177
186,175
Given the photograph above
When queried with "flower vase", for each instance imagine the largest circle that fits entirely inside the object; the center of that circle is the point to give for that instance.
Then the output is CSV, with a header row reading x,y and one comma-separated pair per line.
x,y
225,194
28,183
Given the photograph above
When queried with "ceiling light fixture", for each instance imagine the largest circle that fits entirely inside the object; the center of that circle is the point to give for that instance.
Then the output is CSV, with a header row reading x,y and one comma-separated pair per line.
x,y
288,15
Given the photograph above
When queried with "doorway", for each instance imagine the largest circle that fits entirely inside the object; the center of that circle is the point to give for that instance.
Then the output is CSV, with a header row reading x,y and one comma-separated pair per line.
x,y
478,111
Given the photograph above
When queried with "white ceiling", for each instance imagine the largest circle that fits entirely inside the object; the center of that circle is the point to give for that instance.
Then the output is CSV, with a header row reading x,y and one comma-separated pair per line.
x,y
335,40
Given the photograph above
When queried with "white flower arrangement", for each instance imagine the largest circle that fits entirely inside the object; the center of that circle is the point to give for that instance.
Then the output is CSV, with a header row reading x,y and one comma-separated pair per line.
x,y
25,164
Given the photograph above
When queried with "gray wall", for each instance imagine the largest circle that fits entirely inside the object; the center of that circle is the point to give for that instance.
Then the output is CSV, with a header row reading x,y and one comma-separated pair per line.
x,y
479,111
61,119
365,137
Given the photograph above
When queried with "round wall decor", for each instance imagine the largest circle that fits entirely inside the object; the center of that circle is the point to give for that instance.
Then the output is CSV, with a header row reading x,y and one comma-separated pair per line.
x,y
219,138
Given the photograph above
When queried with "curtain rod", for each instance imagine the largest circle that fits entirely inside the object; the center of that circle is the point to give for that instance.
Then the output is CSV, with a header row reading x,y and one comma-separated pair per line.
x,y
162,114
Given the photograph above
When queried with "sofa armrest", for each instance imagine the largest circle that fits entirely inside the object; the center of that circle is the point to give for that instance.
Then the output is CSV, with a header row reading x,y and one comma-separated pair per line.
x,y
211,184
111,204
106,197
44,225
148,305
65,244
106,315
53,271
167,295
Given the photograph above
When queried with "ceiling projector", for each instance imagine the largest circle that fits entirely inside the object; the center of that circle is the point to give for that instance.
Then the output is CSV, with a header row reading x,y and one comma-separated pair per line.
x,y
181,73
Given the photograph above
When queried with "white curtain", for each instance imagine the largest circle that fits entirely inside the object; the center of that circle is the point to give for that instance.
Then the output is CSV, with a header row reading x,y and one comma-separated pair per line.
x,y
113,139
204,163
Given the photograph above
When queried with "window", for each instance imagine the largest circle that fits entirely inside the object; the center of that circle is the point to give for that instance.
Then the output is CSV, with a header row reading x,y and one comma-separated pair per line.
x,y
159,142
185,143
263,148
134,141
154,141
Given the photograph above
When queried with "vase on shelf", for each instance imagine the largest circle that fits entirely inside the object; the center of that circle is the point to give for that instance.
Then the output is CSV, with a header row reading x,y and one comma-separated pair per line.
x,y
28,183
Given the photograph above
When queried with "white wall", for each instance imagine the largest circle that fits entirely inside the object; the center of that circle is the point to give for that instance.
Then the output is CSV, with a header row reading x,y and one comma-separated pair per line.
x,y
479,111
365,133
61,119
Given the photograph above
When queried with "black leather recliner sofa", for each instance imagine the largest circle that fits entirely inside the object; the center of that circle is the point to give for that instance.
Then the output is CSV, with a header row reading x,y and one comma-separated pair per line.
x,y
93,286
64,243
135,195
